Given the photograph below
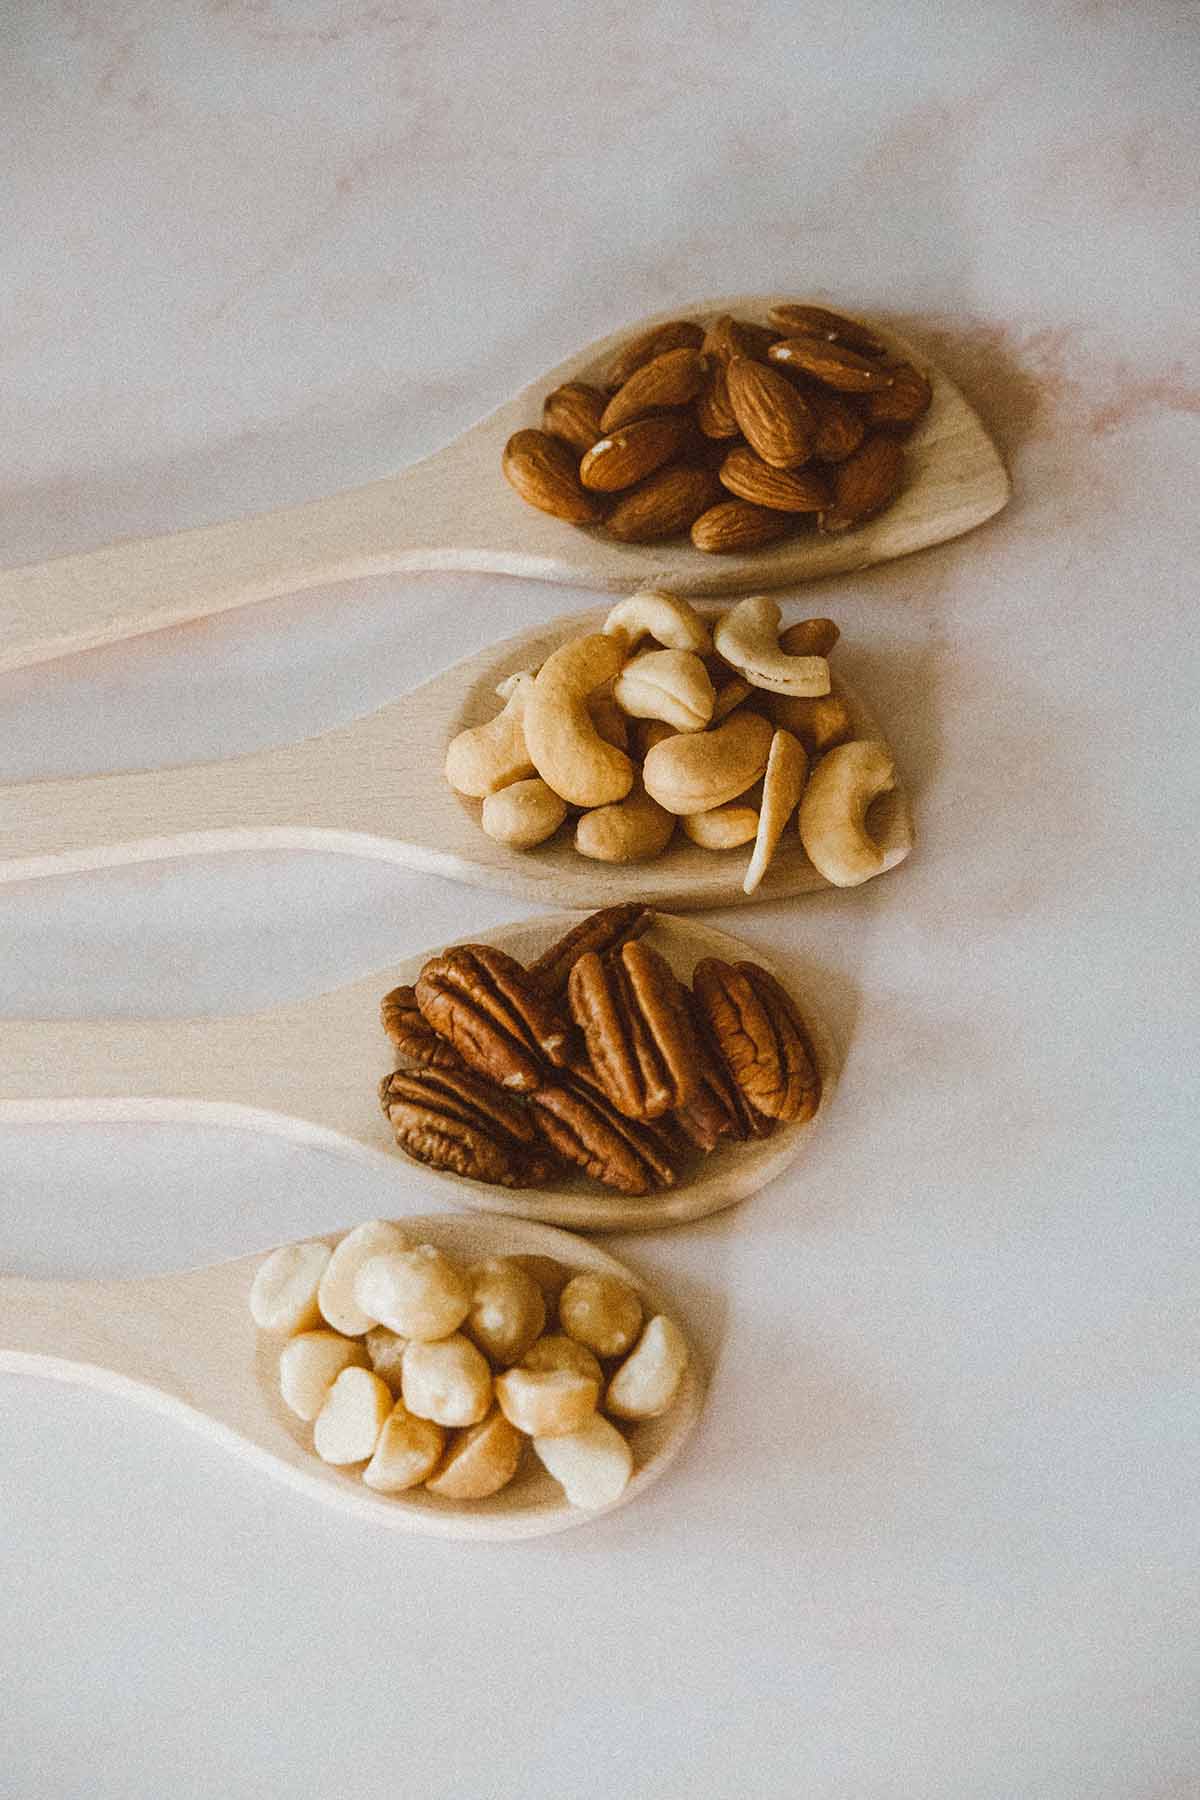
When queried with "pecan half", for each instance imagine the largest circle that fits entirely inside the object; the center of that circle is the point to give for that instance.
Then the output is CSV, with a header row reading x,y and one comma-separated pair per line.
x,y
602,931
585,1130
632,1010
413,1037
500,1022
760,1036
718,1109
451,1119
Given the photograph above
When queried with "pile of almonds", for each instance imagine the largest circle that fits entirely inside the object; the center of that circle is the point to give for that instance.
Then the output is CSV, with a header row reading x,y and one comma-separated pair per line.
x,y
742,433
420,1371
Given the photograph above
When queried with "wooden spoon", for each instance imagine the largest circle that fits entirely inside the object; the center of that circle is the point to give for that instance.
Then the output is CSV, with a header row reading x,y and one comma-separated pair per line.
x,y
375,788
309,1072
454,510
187,1346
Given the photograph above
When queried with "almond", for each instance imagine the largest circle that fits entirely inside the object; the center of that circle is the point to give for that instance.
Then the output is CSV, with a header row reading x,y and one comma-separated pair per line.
x,y
625,456
818,321
671,379
714,414
844,370
864,483
677,334
902,404
775,420
544,472
840,430
728,337
572,412
783,490
737,525
663,505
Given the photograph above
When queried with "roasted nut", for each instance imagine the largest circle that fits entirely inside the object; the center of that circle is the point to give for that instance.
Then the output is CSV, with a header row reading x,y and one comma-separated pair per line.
x,y
833,812
735,525
546,1402
818,723
566,749
665,504
630,453
386,1349
591,1465
865,483
507,1309
602,1312
496,1017
714,412
845,370
809,637
523,815
722,827
695,771
561,1352
748,638
672,685
729,695
783,490
485,758
760,1036
727,337
447,1381
795,319
586,1130
719,1109
355,1409
572,412
631,1010
412,1035
900,406
840,429
648,732
666,381
783,784
339,1308
310,1364
608,718
283,1294
601,931
648,1380
545,473
418,1293
478,1461
676,334
775,419
654,613
451,1119
631,830
408,1450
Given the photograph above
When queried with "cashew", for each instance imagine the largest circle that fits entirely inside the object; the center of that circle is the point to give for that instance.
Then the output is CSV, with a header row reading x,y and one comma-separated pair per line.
x,y
631,830
672,685
652,612
523,814
608,718
567,751
648,732
487,757
730,694
819,723
722,827
809,637
697,770
783,785
748,639
834,809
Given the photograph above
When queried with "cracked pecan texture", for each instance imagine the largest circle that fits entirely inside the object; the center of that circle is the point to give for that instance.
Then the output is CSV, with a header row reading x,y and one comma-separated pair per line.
x,y
485,1005
761,1038
632,1010
452,1119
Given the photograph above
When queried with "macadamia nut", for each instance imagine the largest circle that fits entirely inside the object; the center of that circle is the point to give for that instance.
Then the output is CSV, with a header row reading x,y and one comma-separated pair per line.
x,y
408,1450
550,1275
283,1294
593,1464
386,1351
648,1380
557,1352
448,1381
311,1363
419,1293
507,1309
479,1461
347,1427
546,1402
338,1305
601,1312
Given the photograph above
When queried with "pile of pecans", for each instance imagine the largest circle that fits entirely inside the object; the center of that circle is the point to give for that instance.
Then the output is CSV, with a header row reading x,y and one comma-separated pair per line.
x,y
597,1058
741,433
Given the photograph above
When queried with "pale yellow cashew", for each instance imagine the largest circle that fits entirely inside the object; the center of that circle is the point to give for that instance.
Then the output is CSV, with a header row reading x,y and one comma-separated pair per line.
x,y
833,811
672,685
694,771
748,639
722,827
485,758
523,814
652,612
566,749
783,784
631,830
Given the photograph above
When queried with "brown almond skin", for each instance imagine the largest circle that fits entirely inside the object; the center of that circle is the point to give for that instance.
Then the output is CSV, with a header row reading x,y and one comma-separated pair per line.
x,y
572,412
775,420
904,403
544,472
627,456
865,483
663,505
737,525
794,320
844,370
671,379
676,334
728,337
809,637
783,490
714,414
841,428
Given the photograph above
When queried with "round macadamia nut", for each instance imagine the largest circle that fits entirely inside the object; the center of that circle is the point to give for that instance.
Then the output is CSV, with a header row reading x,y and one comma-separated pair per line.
x,y
601,1312
338,1305
550,1275
448,1381
310,1364
408,1450
479,1461
418,1293
283,1294
648,1380
386,1351
507,1310
558,1352
546,1402
347,1427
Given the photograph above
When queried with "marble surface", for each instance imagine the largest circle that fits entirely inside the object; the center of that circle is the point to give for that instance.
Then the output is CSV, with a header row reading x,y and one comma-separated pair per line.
x,y
937,1533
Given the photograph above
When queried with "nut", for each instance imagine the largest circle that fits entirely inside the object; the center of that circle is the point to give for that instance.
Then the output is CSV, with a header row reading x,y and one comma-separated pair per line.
x,y
817,321
760,1037
728,337
671,379
283,1294
775,420
339,1307
714,410
508,1310
844,370
902,404
478,1461
783,784
605,930
840,430
485,758
412,1035
735,525
818,723
418,1293
355,1410
675,335
500,1022
311,1363
664,504
722,827
550,1275
654,613
562,1352
783,490
408,1450
452,1119
523,815
648,1380
720,1110
545,473
631,1011
572,412
635,829
631,452
865,483
672,685
448,1381
566,749
631,1156
748,638
728,696
809,637
386,1352
592,1465
602,1312
694,771
547,1402
833,812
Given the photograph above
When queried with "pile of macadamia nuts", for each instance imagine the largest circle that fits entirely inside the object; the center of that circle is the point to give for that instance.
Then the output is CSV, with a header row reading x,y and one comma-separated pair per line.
x,y
424,1371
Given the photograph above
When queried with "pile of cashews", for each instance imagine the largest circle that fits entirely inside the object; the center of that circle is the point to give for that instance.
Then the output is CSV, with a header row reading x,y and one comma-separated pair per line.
x,y
425,1372
656,720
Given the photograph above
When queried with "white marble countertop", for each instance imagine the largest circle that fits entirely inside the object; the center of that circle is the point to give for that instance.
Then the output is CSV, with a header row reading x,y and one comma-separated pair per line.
x,y
937,1533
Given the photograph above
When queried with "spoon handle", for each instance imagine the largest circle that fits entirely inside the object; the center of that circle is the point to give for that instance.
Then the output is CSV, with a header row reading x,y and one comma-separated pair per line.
x,y
68,1330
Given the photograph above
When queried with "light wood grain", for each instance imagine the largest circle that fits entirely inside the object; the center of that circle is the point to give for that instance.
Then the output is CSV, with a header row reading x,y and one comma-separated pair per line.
x,y
455,511
374,788
186,1345
309,1071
